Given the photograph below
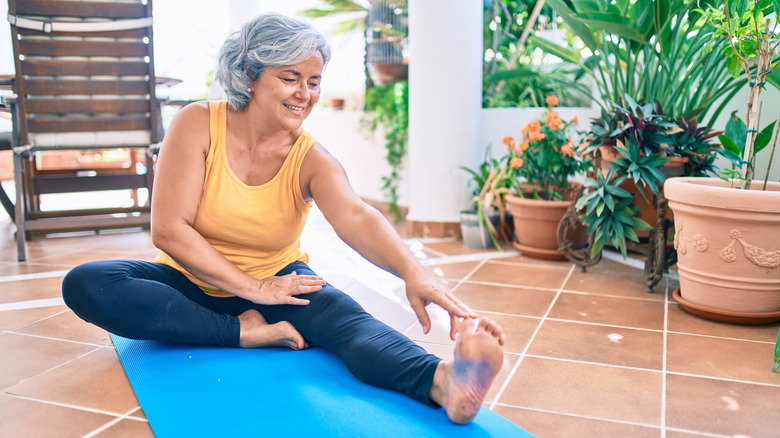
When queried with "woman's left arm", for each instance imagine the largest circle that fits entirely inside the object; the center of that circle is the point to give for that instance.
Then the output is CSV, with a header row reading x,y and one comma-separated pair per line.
x,y
367,231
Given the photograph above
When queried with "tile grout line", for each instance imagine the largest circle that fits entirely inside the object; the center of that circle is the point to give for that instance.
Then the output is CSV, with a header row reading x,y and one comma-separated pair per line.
x,y
125,416
664,359
59,365
54,339
530,341
589,417
66,405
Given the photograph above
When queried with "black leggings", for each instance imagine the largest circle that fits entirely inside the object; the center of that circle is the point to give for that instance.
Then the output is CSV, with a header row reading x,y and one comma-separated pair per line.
x,y
152,301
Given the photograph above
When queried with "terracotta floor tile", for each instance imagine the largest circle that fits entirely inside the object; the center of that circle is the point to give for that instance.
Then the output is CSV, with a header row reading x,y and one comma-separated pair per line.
x,y
27,356
529,275
681,321
639,313
518,330
627,283
11,319
453,271
524,259
552,425
505,299
128,429
95,381
69,327
673,433
30,268
28,290
591,390
723,358
27,418
599,344
722,407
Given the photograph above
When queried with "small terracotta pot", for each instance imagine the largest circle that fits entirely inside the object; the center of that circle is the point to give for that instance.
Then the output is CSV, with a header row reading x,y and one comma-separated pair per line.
x,y
536,224
728,245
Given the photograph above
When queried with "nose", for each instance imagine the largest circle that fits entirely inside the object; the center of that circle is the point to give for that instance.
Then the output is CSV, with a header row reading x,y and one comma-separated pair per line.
x,y
303,92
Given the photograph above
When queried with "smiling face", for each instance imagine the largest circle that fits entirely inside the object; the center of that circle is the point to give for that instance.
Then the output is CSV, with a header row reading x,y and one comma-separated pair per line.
x,y
286,95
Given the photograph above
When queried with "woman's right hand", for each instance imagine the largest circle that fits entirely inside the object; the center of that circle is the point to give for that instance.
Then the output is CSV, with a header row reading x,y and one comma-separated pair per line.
x,y
282,289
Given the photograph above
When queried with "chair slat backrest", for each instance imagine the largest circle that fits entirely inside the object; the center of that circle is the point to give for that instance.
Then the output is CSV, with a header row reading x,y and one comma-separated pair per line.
x,y
83,80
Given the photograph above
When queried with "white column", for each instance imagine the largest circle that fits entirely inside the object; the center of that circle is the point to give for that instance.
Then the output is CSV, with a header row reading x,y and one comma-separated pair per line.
x,y
445,101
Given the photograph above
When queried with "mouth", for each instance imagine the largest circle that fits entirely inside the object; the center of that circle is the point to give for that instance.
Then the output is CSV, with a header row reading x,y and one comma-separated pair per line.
x,y
294,108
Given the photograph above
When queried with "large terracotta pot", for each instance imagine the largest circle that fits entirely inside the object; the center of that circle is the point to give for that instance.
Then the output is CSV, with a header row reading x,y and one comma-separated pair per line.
x,y
728,248
647,212
536,224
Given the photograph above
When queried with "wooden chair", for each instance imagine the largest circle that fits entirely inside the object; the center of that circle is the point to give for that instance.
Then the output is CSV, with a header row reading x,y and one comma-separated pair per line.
x,y
84,82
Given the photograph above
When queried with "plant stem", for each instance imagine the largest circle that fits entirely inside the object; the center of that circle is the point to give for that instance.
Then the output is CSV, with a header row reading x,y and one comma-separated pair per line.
x,y
772,154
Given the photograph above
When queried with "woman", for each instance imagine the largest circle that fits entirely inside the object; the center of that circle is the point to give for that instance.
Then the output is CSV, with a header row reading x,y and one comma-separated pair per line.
x,y
234,183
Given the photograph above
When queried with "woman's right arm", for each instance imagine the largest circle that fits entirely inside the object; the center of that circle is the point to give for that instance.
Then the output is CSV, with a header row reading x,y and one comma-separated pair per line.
x,y
178,182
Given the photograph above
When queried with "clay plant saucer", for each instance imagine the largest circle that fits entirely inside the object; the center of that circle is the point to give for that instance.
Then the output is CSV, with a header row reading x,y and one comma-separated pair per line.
x,y
726,315
539,253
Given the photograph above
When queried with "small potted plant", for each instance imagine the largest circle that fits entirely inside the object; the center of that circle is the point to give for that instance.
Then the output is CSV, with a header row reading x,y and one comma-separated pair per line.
x,y
483,225
726,232
542,165
638,147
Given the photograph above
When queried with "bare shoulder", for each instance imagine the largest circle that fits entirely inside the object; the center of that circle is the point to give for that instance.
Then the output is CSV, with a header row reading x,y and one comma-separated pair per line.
x,y
320,167
189,127
320,161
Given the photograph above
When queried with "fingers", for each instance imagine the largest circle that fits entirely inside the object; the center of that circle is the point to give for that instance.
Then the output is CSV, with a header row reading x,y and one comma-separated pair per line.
x,y
295,301
454,323
422,315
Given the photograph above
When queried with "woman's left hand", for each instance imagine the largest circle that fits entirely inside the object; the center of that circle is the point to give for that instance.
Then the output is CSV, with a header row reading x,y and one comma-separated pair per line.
x,y
425,291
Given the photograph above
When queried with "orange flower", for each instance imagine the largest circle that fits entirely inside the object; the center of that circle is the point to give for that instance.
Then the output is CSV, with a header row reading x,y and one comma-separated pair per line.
x,y
551,100
516,163
533,131
567,149
575,120
553,121
523,145
509,142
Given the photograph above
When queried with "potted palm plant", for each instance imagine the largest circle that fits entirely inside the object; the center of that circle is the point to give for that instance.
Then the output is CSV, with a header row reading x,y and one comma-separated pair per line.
x,y
726,232
542,166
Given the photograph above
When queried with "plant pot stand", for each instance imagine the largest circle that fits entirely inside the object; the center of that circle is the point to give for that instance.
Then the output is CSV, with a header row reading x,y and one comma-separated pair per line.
x,y
659,252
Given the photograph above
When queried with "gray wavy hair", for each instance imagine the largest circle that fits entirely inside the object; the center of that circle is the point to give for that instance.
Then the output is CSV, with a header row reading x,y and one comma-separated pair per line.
x,y
270,40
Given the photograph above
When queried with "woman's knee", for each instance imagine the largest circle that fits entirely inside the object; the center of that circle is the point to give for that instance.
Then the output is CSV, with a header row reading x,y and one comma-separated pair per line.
x,y
84,285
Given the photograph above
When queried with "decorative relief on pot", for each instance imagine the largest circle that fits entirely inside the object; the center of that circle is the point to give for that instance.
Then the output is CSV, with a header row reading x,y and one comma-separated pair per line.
x,y
758,256
698,240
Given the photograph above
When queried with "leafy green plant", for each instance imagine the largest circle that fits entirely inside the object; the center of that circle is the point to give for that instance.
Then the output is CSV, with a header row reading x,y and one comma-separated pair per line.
x,y
388,105
514,75
777,353
609,212
734,142
644,139
651,50
754,40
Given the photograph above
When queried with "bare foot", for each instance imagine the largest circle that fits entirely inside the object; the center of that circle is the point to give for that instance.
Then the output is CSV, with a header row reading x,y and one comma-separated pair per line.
x,y
460,386
256,332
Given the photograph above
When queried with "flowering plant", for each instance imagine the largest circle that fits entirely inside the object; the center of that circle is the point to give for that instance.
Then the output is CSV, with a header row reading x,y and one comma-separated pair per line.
x,y
545,157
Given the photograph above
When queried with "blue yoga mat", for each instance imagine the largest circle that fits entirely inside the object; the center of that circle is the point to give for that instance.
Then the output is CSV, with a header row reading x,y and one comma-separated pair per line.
x,y
191,390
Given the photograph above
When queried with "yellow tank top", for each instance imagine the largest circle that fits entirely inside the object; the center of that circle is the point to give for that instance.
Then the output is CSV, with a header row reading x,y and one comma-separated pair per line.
x,y
257,228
